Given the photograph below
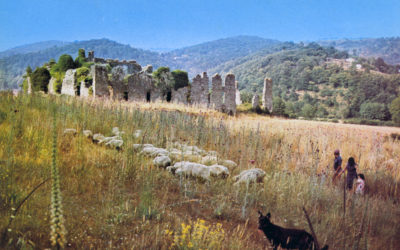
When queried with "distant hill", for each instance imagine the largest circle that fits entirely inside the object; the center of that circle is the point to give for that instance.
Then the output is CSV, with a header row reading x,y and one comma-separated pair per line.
x,y
313,81
202,57
386,48
33,47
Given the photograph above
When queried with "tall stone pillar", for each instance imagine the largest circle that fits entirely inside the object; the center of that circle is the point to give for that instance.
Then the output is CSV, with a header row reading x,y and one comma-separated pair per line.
x,y
217,93
68,84
230,94
29,85
255,102
238,99
100,81
199,90
267,95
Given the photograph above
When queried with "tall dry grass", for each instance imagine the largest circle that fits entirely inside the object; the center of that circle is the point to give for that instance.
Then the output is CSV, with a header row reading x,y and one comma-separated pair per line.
x,y
118,199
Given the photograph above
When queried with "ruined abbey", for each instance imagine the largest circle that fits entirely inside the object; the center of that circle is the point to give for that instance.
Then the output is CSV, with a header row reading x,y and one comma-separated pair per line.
x,y
129,81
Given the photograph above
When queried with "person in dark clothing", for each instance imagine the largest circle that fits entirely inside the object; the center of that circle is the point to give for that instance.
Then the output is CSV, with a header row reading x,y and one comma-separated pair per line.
x,y
351,168
337,165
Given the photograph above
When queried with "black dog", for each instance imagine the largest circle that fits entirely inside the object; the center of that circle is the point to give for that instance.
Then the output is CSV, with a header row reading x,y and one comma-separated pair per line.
x,y
286,238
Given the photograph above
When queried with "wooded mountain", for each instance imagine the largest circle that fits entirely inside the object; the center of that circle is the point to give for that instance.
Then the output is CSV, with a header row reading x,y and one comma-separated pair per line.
x,y
386,48
33,47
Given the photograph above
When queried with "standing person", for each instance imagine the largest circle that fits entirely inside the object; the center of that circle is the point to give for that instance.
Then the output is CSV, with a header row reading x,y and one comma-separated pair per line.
x,y
360,184
337,165
351,168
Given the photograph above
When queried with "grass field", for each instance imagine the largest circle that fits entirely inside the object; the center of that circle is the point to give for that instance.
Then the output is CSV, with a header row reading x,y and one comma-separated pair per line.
x,y
119,199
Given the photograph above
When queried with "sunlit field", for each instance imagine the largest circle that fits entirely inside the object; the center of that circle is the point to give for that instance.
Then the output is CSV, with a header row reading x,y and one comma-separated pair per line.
x,y
118,199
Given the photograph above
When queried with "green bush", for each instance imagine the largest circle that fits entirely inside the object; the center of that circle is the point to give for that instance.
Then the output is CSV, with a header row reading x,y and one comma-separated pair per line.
x,y
82,73
278,106
373,111
395,110
40,79
181,79
65,62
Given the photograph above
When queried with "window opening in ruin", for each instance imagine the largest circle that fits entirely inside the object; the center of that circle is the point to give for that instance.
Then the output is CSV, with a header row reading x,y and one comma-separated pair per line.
x,y
148,96
126,95
78,90
169,96
223,97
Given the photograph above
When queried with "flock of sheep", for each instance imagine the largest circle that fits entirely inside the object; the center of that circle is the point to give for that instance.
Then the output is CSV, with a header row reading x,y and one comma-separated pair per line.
x,y
179,159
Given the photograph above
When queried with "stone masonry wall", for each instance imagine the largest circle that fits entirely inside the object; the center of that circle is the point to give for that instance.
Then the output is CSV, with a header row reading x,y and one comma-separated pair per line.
x,y
238,99
199,90
68,84
230,94
100,81
180,95
117,83
50,87
216,93
255,102
267,95
84,91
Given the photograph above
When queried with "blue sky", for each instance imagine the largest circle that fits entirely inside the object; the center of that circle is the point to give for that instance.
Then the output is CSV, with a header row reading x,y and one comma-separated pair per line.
x,y
178,23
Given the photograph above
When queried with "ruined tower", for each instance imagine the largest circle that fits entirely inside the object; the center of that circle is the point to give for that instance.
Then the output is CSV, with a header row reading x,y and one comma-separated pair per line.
x,y
267,95
199,91
217,93
230,94
100,81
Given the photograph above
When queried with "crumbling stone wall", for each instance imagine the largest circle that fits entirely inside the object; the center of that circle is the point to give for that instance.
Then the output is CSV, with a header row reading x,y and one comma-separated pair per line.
x,y
84,90
230,94
50,87
217,93
68,84
100,81
141,87
199,90
130,82
117,82
180,95
255,102
267,94
29,85
238,99
91,56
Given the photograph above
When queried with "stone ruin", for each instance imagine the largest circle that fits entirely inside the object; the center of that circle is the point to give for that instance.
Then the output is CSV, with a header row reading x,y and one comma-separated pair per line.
x,y
128,81
267,95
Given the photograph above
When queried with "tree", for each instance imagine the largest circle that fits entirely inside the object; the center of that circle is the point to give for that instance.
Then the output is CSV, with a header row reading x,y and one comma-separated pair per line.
x,y
181,79
395,110
373,111
80,59
308,111
40,79
163,78
65,62
290,110
28,71
278,106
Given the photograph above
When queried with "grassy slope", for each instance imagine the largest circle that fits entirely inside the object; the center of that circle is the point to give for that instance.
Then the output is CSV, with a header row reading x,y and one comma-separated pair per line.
x,y
120,199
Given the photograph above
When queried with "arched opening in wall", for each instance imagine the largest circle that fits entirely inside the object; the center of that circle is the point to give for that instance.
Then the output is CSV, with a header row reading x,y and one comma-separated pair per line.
x,y
169,96
126,96
148,96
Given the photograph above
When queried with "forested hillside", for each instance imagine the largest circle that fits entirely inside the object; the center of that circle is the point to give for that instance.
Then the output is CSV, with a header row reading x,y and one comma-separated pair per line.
x,y
386,48
314,81
202,57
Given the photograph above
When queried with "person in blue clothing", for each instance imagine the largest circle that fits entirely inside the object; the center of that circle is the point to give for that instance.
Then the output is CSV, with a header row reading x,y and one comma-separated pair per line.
x,y
351,168
337,165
